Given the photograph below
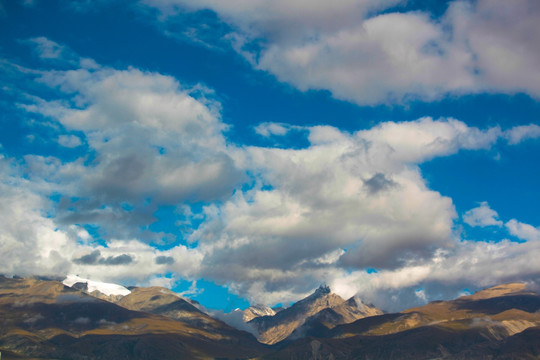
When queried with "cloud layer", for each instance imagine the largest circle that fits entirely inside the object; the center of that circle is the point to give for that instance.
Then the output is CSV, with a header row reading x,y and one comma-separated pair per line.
x,y
350,209
367,56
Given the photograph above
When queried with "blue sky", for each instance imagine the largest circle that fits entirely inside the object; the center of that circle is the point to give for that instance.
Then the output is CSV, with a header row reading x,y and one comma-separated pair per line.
x,y
247,151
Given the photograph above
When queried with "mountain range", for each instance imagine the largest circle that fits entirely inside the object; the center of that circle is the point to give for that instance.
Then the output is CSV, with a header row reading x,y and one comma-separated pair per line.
x,y
47,319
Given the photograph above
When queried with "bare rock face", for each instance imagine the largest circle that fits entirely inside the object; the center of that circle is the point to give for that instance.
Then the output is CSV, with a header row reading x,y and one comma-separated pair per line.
x,y
332,309
81,286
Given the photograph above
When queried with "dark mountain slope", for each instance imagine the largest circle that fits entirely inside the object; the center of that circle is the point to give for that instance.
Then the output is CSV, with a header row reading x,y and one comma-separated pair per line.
x,y
497,323
45,319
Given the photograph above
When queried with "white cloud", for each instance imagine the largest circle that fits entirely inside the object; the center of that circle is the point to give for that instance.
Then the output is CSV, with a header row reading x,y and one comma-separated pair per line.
x,y
152,141
143,269
518,134
423,139
277,17
361,55
361,192
29,241
482,215
153,138
346,201
471,265
32,243
523,231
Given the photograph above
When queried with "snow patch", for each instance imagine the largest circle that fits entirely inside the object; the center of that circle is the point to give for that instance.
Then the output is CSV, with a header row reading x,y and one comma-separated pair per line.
x,y
105,288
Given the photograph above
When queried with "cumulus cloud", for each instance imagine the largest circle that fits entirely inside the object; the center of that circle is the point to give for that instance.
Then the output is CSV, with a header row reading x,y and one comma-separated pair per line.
x,y
30,242
423,139
482,215
33,244
153,138
348,200
134,262
523,231
444,276
345,201
142,124
366,55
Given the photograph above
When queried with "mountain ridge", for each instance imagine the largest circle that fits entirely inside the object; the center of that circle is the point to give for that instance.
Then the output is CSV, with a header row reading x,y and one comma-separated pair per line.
x,y
46,320
276,328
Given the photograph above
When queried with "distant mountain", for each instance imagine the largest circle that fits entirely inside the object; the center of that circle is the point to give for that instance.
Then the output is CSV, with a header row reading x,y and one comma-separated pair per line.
x,y
502,322
257,310
42,319
162,301
48,320
328,308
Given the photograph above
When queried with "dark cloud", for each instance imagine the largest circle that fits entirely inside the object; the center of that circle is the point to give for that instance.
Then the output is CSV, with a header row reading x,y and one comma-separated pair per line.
x,y
117,260
164,260
89,259
378,183
113,220
94,258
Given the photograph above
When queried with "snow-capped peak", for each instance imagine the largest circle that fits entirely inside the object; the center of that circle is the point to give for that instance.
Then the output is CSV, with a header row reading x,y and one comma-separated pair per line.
x,y
105,288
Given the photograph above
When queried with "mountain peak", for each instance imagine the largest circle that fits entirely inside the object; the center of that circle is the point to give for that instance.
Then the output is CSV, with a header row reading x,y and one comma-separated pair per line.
x,y
322,290
257,310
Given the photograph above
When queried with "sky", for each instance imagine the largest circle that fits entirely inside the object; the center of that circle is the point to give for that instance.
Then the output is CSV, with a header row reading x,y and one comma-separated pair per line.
x,y
243,152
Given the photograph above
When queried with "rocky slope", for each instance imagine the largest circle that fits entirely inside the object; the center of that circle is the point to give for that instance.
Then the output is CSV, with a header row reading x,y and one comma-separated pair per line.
x,y
257,310
46,319
502,322
164,302
323,305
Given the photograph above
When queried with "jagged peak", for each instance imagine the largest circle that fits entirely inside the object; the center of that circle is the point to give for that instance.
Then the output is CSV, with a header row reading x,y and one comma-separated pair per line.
x,y
323,290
